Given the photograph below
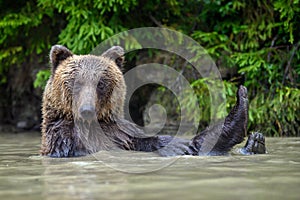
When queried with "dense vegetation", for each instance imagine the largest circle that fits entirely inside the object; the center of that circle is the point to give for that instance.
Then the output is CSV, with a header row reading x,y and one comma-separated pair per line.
x,y
255,42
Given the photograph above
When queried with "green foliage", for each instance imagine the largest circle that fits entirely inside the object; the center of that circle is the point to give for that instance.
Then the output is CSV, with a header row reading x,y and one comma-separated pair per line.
x,y
88,22
24,36
202,94
258,41
281,111
41,78
288,11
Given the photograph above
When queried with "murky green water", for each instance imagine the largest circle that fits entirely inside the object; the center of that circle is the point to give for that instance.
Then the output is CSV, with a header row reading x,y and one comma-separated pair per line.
x,y
25,175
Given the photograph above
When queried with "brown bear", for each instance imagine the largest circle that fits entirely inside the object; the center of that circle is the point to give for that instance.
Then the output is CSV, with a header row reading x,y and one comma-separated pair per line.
x,y
82,113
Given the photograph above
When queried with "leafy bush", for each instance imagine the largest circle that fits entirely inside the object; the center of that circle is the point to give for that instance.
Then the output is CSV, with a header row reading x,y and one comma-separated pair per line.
x,y
261,41
255,43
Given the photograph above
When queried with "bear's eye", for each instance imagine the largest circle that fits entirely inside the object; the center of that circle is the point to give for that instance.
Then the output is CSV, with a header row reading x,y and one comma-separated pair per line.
x,y
101,86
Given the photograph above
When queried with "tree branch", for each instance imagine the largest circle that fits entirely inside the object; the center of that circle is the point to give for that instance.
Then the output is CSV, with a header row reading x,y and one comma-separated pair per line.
x,y
288,66
157,23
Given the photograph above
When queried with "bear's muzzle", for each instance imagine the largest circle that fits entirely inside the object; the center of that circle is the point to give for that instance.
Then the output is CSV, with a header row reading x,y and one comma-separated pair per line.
x,y
87,112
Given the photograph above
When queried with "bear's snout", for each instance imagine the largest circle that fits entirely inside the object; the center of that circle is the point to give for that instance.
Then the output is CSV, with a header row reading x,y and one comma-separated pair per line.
x,y
87,112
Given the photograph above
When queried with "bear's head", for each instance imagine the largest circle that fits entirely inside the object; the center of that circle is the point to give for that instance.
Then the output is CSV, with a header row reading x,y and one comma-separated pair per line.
x,y
85,87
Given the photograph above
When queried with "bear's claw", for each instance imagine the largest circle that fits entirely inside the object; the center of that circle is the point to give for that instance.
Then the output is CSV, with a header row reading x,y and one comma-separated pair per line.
x,y
255,144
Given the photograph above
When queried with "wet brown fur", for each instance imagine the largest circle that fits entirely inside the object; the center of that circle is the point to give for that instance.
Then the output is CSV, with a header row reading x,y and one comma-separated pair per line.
x,y
65,133
59,112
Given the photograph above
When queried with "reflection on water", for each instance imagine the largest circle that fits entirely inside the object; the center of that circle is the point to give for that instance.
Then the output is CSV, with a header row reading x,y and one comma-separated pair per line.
x,y
26,175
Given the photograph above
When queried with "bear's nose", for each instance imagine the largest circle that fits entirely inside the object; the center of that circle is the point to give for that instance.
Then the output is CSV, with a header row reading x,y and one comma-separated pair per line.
x,y
87,112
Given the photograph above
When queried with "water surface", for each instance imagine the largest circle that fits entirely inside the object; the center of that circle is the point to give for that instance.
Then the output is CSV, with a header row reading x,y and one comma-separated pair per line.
x,y
26,175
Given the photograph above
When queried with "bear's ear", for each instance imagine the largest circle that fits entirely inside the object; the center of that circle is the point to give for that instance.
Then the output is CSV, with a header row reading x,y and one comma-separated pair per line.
x,y
58,54
115,53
